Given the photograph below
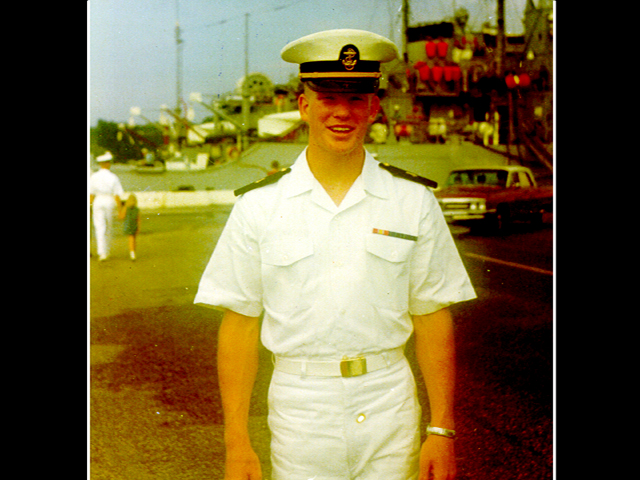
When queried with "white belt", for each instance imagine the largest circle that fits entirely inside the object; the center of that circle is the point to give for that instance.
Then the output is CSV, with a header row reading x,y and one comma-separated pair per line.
x,y
347,367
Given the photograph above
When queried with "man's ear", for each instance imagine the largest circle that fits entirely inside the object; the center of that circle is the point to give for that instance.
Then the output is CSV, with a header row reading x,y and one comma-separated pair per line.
x,y
374,108
303,105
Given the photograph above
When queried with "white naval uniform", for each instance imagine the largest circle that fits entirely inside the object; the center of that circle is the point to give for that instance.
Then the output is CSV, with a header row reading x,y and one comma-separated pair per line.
x,y
104,184
330,287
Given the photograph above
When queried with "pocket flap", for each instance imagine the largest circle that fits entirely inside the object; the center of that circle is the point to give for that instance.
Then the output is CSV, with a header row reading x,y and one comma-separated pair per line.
x,y
286,253
389,248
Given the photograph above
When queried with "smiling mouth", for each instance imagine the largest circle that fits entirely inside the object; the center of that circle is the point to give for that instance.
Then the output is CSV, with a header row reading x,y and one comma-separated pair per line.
x,y
341,129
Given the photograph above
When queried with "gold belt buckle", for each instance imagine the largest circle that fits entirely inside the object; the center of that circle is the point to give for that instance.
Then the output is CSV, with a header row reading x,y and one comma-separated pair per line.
x,y
353,367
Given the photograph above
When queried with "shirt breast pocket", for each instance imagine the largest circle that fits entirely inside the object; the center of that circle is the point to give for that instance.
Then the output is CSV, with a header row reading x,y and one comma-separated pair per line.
x,y
286,274
388,271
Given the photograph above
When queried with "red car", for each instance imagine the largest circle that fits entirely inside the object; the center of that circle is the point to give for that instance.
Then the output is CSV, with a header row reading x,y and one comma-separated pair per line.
x,y
495,196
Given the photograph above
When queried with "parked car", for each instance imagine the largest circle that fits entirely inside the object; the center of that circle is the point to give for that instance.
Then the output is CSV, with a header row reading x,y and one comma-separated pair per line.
x,y
494,196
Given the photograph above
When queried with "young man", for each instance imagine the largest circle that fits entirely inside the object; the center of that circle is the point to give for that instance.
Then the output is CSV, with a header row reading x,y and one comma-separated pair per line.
x,y
345,260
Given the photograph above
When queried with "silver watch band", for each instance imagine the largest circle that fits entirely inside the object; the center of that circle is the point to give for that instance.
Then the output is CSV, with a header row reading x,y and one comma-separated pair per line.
x,y
440,431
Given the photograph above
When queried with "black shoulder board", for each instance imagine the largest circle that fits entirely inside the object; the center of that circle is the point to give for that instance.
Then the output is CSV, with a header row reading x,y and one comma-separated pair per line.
x,y
398,172
268,180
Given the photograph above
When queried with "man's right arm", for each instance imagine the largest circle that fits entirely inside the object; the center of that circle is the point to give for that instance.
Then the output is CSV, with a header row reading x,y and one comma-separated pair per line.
x,y
238,343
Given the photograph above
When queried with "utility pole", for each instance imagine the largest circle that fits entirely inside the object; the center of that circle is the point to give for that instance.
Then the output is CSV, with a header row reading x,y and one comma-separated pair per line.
x,y
500,57
180,128
405,27
500,40
179,61
245,85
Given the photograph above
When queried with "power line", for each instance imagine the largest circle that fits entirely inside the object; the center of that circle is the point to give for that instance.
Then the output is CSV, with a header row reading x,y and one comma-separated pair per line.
x,y
261,10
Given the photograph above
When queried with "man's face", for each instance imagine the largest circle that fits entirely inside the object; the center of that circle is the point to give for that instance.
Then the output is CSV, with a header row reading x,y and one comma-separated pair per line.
x,y
338,122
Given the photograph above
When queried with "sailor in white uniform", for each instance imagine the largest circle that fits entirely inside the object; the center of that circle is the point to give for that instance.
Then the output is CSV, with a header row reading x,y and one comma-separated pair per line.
x,y
105,192
344,258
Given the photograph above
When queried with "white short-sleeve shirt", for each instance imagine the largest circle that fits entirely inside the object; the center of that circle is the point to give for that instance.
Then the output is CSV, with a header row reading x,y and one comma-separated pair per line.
x,y
104,184
335,280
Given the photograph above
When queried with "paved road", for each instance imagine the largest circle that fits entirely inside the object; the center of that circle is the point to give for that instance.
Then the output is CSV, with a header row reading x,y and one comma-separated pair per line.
x,y
155,407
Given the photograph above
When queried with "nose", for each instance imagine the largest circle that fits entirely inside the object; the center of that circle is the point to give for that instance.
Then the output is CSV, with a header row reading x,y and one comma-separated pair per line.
x,y
342,109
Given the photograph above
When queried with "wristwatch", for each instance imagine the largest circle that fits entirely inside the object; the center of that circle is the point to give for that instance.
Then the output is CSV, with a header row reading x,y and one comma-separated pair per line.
x,y
441,431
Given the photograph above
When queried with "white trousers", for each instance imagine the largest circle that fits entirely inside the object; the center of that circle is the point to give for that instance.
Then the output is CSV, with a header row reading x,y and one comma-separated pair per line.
x,y
103,218
334,428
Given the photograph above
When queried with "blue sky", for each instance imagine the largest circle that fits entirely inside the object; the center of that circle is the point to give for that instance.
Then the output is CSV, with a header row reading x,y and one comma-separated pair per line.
x,y
132,43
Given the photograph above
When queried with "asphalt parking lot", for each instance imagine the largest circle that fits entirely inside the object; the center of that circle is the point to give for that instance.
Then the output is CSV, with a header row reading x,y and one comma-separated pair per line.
x,y
154,404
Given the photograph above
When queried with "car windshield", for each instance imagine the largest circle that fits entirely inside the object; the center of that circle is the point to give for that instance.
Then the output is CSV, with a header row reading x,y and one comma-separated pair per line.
x,y
496,178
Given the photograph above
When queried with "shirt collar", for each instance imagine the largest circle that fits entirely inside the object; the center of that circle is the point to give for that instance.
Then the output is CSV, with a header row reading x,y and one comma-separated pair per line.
x,y
373,176
302,180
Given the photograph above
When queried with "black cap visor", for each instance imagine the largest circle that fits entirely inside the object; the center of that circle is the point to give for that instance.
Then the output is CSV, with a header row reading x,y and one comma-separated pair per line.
x,y
343,85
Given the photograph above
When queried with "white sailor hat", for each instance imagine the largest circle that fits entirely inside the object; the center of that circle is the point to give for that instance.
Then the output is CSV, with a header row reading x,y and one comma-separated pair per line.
x,y
343,60
107,157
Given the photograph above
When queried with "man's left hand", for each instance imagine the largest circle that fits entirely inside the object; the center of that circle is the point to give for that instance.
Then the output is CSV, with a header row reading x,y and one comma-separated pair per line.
x,y
437,460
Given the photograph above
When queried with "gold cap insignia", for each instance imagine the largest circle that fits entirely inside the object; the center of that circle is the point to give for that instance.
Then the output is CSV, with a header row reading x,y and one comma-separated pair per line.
x,y
349,56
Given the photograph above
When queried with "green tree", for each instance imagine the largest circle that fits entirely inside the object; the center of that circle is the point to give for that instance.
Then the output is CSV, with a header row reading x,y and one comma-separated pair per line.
x,y
126,143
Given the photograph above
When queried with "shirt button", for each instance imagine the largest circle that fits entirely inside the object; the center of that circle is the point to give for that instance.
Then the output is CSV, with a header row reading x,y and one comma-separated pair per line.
x,y
361,418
